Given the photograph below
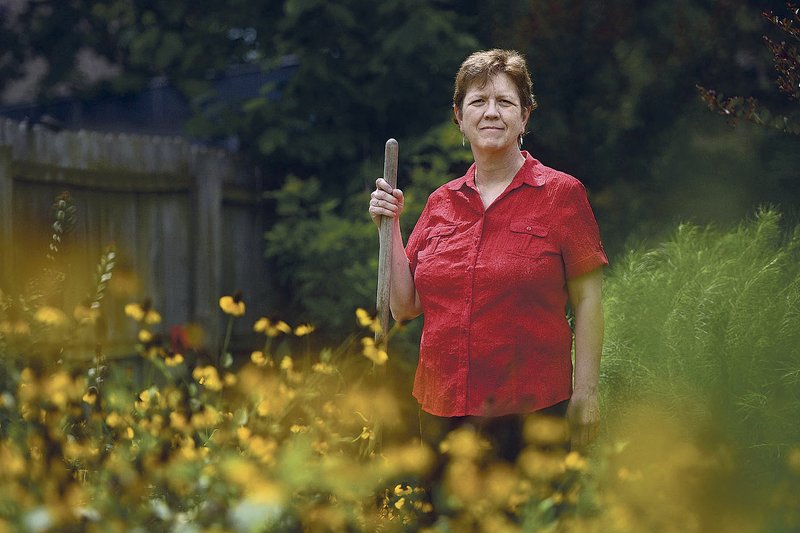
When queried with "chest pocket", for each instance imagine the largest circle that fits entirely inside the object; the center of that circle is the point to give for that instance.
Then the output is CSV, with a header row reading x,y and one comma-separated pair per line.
x,y
528,237
437,240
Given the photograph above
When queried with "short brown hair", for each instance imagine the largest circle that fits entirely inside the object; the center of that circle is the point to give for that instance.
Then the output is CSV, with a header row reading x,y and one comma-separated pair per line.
x,y
480,66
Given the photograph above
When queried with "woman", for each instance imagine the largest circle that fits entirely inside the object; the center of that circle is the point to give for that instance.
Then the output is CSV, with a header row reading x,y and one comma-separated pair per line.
x,y
492,262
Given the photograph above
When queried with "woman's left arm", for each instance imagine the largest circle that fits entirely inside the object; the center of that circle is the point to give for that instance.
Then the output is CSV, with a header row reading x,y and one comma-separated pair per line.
x,y
583,412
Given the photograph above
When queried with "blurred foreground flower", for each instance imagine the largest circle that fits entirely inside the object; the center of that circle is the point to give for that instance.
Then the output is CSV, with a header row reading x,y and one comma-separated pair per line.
x,y
208,377
17,328
366,320
232,305
143,312
86,314
264,325
372,352
50,316
304,329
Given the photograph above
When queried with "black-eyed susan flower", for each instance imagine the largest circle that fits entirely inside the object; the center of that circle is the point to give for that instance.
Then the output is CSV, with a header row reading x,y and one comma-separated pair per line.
x,y
90,396
304,329
258,358
372,352
364,318
208,377
173,360
266,326
232,305
143,312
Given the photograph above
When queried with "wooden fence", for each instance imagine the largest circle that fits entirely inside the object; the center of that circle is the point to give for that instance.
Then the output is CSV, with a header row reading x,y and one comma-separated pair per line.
x,y
186,221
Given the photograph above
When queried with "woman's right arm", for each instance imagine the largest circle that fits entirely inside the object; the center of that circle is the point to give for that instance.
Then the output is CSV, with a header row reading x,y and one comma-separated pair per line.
x,y
403,297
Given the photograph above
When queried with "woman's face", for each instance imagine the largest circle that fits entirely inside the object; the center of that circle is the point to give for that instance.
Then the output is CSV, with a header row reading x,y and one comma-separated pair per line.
x,y
491,117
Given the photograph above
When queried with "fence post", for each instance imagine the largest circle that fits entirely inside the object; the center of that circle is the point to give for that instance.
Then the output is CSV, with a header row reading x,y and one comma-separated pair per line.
x,y
6,207
208,172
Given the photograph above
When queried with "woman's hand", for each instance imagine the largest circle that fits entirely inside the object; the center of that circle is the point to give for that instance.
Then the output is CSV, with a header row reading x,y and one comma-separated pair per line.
x,y
583,414
385,201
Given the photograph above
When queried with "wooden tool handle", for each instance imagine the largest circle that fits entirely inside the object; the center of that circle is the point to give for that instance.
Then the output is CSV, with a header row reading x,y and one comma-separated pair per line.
x,y
385,253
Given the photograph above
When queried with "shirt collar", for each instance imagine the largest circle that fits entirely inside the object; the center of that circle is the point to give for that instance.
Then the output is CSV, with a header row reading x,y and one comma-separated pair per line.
x,y
530,174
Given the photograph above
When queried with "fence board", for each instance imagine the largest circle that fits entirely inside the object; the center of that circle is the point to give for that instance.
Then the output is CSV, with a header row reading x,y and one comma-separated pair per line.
x,y
161,201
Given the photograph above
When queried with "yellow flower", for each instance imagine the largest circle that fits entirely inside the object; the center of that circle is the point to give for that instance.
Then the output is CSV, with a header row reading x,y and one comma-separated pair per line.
x,y
286,363
544,430
208,417
86,315
50,316
258,358
243,433
19,328
264,325
143,312
364,318
207,376
464,443
323,368
232,305
145,336
113,420
303,329
178,421
372,352
400,490
574,461
91,396
263,408
174,360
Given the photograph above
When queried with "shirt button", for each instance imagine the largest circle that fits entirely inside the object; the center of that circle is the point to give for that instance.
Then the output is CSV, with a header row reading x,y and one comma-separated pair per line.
x,y
528,228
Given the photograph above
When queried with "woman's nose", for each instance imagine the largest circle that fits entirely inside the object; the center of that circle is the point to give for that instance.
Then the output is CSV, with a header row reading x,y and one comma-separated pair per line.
x,y
491,108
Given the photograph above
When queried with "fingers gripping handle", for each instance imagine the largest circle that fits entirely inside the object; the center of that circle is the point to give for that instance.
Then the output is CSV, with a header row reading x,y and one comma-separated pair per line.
x,y
385,253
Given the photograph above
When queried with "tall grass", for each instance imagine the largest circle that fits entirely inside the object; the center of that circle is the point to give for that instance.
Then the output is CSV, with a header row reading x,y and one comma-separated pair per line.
x,y
708,323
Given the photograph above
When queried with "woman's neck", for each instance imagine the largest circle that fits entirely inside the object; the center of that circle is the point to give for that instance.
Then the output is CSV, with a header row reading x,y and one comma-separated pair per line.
x,y
494,170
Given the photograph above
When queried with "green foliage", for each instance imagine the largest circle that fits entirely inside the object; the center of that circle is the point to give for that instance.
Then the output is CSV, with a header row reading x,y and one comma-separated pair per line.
x,y
324,250
320,258
708,323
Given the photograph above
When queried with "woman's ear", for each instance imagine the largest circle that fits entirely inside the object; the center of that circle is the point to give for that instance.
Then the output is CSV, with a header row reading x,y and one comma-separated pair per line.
x,y
526,115
457,115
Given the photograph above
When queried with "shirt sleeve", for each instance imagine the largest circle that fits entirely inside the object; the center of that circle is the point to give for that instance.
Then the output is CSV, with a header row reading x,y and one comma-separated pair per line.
x,y
581,247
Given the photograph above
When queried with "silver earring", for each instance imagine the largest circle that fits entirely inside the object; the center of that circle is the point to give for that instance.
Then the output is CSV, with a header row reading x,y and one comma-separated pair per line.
x,y
463,141
520,141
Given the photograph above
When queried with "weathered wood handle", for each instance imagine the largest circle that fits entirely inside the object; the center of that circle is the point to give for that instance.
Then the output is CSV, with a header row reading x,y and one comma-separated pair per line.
x,y
385,253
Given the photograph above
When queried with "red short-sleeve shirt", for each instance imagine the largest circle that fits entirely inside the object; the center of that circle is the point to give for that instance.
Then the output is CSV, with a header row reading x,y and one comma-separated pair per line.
x,y
492,285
